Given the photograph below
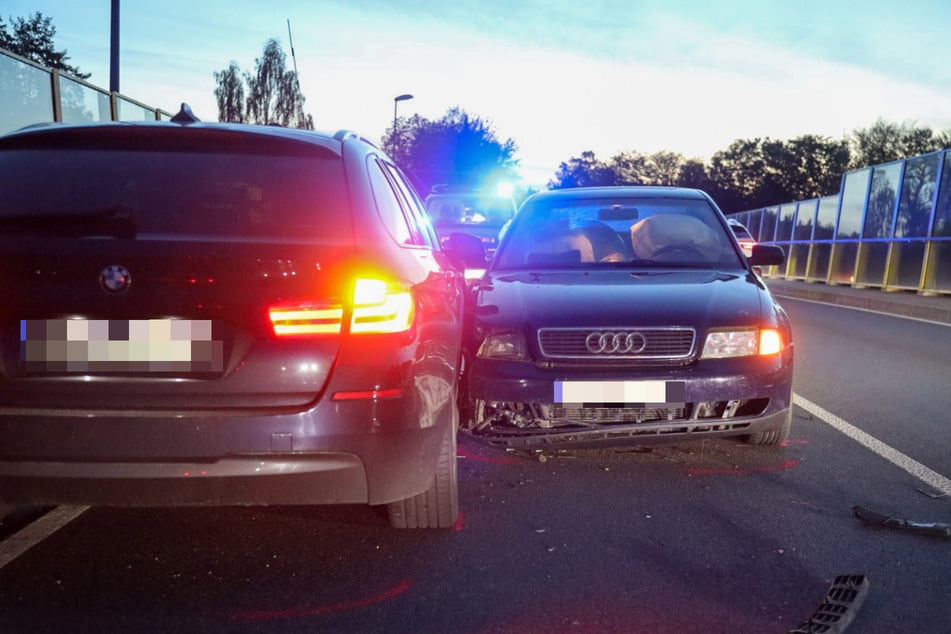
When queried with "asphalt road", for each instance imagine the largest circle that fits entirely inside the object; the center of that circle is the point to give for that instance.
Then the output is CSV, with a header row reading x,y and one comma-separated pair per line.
x,y
709,536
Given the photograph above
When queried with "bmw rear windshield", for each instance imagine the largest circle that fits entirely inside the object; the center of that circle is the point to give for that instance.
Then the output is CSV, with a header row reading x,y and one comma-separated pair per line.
x,y
206,186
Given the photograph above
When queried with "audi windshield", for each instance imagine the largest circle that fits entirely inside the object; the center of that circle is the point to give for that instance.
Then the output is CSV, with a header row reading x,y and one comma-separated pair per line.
x,y
618,232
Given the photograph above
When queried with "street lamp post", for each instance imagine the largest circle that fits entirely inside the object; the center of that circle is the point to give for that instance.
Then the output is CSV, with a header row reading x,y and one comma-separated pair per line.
x,y
396,101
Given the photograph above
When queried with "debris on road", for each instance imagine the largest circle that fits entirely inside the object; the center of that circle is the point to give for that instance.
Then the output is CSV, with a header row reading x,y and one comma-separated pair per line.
x,y
933,496
842,603
922,528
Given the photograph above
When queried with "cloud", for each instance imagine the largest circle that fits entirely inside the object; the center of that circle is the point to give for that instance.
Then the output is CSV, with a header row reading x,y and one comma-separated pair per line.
x,y
558,78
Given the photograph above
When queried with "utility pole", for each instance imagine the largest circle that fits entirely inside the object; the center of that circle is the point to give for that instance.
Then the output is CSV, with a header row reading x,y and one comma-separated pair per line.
x,y
290,40
114,48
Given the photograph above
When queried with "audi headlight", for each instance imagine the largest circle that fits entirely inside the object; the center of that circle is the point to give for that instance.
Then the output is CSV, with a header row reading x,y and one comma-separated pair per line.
x,y
505,344
742,343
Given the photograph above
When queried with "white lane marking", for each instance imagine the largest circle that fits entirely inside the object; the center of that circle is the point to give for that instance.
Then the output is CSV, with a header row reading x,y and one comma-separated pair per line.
x,y
897,458
864,310
35,532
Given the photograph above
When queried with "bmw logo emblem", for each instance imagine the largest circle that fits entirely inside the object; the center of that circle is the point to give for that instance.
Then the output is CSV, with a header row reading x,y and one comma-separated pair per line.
x,y
115,279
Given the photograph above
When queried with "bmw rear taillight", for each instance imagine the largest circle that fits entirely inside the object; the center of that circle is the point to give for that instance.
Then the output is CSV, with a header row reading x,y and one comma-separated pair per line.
x,y
305,319
376,306
379,307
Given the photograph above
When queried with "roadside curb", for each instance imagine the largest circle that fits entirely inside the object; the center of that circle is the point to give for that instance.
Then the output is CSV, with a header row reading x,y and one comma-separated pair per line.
x,y
905,303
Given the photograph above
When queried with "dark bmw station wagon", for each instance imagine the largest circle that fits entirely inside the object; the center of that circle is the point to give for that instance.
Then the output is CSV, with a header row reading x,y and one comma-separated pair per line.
x,y
203,314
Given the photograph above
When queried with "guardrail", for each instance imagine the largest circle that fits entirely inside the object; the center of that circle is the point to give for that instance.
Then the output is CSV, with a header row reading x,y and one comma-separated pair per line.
x,y
889,227
31,93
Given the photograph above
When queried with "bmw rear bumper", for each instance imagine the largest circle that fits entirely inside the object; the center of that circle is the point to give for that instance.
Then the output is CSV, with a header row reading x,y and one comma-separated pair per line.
x,y
320,456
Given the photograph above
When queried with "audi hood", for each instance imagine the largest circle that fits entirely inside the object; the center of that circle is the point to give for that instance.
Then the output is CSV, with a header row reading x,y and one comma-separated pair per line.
x,y
610,298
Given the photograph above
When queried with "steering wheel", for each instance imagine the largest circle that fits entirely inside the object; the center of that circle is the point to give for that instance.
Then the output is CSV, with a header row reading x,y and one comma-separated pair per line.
x,y
674,252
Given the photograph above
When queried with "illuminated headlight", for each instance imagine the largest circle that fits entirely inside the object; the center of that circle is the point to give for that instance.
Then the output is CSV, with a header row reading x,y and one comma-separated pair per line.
x,y
506,344
742,343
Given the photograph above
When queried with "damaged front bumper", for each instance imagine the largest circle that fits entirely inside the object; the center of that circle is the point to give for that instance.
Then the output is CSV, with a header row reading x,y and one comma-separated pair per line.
x,y
515,404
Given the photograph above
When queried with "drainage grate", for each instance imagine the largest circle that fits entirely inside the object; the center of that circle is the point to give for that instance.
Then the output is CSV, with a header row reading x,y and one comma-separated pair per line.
x,y
842,603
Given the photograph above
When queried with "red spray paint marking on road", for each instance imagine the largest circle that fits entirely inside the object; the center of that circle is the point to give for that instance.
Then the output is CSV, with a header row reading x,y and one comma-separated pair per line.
x,y
789,464
793,441
462,453
333,608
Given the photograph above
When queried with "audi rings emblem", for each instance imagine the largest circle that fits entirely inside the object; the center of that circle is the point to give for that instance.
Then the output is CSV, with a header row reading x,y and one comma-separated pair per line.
x,y
615,343
115,279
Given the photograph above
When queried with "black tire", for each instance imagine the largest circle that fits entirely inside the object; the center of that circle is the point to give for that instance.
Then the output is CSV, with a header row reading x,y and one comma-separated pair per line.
x,y
437,506
773,437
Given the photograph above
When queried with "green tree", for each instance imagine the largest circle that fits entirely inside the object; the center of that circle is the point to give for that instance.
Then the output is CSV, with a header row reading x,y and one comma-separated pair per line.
x,y
631,168
693,173
885,141
627,168
917,191
26,90
813,166
739,173
457,149
881,205
664,168
758,172
32,38
943,139
272,96
584,171
230,94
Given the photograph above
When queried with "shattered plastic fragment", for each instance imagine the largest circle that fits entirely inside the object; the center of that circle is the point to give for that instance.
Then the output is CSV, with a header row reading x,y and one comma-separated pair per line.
x,y
842,603
922,528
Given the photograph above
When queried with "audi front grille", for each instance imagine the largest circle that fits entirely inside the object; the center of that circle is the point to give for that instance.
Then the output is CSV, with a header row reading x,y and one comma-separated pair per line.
x,y
672,343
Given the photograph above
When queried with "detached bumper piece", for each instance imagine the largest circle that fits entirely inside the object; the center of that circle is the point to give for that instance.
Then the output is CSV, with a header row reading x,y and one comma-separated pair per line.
x,y
842,603
921,528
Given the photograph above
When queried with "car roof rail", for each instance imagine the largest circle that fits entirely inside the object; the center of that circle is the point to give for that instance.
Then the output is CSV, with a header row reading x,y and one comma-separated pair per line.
x,y
185,116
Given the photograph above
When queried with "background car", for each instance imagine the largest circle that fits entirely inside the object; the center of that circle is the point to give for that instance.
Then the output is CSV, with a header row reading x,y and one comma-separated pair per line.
x,y
469,211
743,236
223,314
626,315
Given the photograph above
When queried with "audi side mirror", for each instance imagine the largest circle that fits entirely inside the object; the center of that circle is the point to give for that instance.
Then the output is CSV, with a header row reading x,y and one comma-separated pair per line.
x,y
767,255
465,250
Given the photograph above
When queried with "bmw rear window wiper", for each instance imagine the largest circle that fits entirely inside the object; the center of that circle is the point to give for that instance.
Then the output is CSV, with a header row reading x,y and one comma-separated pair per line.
x,y
114,221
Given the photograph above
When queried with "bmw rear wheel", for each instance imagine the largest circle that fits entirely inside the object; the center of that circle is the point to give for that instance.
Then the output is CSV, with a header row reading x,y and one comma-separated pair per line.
x,y
437,506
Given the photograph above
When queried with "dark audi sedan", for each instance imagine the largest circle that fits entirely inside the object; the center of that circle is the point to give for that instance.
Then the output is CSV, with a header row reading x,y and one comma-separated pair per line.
x,y
623,315
205,314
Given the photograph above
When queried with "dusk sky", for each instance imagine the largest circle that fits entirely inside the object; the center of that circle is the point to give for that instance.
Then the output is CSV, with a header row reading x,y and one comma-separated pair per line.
x,y
558,77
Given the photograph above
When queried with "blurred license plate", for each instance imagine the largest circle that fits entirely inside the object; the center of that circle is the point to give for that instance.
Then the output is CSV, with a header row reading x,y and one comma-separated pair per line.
x,y
620,393
120,345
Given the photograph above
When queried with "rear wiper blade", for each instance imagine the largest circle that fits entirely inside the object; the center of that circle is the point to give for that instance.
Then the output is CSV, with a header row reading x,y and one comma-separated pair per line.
x,y
113,221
